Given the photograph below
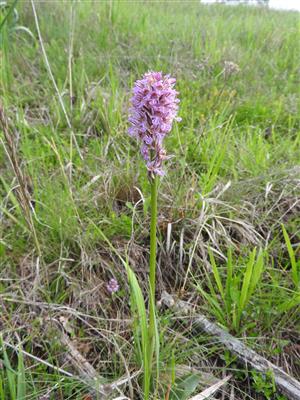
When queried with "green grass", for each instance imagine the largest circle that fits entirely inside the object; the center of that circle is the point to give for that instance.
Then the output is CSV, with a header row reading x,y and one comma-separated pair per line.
x,y
237,291
233,183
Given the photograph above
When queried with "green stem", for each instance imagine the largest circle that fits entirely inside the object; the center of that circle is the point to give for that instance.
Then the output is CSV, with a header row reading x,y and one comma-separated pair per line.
x,y
152,263
152,266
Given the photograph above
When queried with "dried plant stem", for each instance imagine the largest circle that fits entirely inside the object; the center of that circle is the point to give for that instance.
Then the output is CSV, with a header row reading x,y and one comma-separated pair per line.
x,y
73,137
70,55
23,194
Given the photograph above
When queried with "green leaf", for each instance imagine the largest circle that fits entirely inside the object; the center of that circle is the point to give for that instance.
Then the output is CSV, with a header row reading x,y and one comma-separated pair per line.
x,y
289,304
21,385
246,284
186,387
216,274
294,264
216,307
256,275
156,338
229,281
10,373
10,10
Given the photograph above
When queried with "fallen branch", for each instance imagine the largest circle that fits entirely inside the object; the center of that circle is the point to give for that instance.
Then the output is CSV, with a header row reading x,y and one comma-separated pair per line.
x,y
87,372
286,384
84,368
205,394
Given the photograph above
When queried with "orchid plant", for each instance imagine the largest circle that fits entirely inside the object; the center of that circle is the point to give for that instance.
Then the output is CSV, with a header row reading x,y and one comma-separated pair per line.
x,y
154,107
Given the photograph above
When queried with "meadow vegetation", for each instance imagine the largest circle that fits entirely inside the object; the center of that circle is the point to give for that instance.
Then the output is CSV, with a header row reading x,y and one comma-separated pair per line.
x,y
75,196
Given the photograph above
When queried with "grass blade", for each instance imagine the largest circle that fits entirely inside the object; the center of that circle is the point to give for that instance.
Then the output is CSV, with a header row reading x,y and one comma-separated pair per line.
x,y
245,287
216,274
228,301
256,274
294,264
10,373
21,385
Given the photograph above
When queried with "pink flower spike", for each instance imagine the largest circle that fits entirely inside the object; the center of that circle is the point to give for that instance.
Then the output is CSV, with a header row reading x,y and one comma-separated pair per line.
x,y
154,107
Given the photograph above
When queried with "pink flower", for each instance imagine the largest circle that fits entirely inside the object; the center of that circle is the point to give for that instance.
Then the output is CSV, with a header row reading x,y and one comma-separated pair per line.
x,y
154,106
112,286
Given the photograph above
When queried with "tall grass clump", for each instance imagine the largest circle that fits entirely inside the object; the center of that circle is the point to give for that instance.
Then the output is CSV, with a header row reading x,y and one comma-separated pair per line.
x,y
228,298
